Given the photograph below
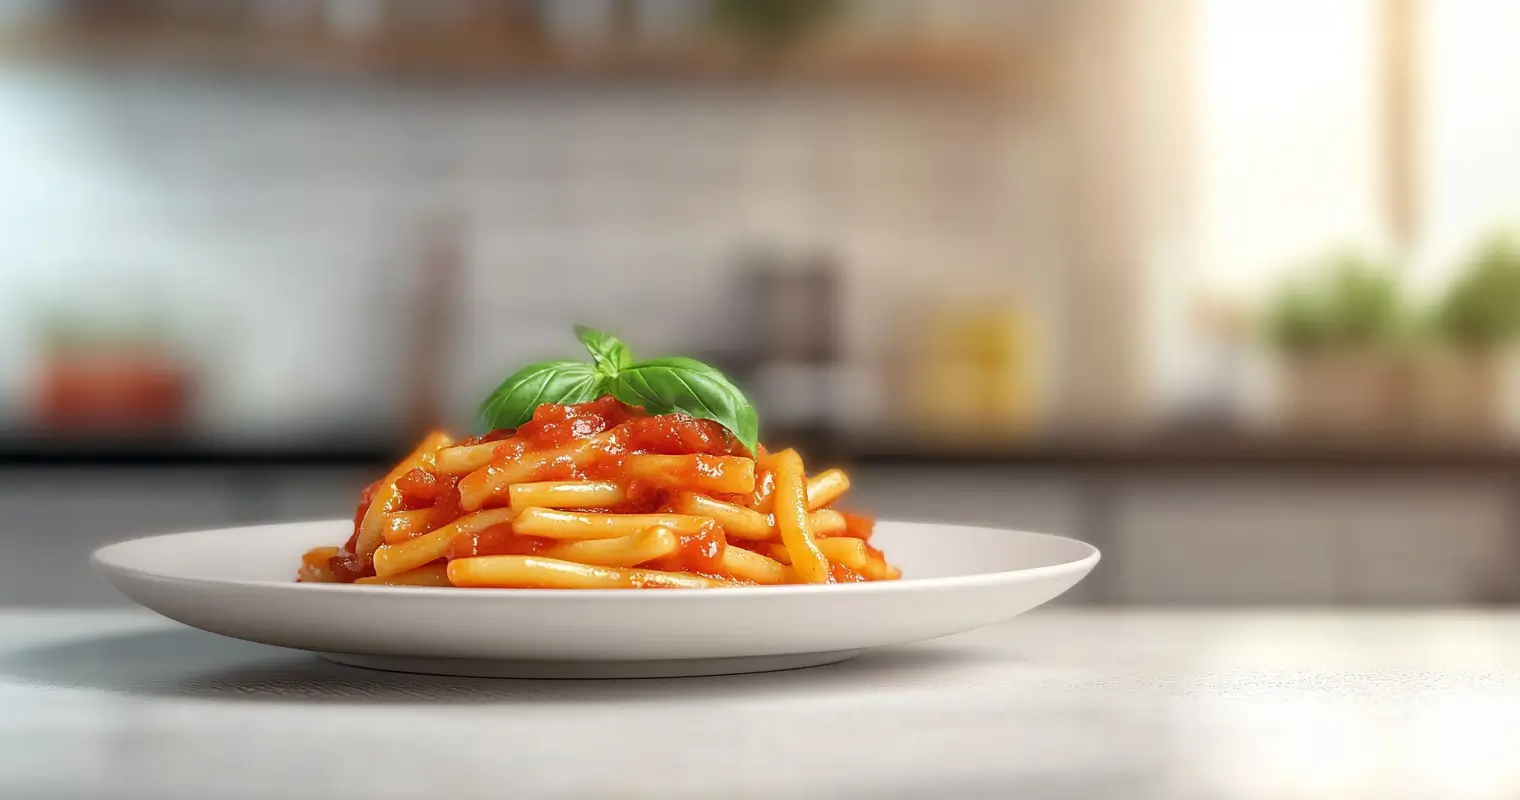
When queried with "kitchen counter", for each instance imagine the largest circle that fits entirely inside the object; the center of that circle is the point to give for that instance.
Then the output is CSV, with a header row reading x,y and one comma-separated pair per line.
x,y
1059,703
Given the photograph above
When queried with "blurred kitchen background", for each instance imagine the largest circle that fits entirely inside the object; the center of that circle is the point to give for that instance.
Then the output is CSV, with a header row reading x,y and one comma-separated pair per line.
x,y
1223,286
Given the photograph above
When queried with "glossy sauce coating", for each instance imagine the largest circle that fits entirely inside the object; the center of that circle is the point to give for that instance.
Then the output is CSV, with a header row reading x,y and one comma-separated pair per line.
x,y
700,552
618,431
345,566
554,427
627,430
418,489
497,540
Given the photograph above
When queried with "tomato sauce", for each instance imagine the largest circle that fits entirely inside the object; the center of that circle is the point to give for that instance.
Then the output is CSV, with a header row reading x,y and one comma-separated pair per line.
x,y
345,566
556,426
679,434
641,497
497,540
700,552
366,497
446,504
418,489
629,430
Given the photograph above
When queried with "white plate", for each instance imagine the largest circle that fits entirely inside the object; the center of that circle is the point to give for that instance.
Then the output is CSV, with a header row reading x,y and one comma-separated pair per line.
x,y
240,582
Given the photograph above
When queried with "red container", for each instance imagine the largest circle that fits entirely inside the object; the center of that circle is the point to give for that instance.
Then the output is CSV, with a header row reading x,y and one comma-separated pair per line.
x,y
123,391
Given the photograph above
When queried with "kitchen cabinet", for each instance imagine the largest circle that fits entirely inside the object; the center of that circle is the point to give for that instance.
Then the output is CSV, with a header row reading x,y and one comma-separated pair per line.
x,y
1046,503
1200,540
1432,541
1240,536
51,519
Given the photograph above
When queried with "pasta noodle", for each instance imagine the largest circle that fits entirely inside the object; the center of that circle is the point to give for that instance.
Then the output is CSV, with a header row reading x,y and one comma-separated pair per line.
x,y
372,524
826,487
552,573
430,575
747,523
792,519
403,525
600,495
567,494
703,473
582,525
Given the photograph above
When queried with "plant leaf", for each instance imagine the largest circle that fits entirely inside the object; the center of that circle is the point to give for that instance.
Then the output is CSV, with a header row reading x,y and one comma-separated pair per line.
x,y
664,385
558,382
608,351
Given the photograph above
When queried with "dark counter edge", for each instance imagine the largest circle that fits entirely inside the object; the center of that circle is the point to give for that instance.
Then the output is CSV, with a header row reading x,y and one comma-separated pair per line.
x,y
112,453
1126,455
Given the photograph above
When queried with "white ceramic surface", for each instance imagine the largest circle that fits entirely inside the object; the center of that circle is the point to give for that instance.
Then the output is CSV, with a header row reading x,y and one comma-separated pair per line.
x,y
240,582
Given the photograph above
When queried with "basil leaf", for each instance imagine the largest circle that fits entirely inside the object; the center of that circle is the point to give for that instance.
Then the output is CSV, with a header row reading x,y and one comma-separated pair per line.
x,y
664,385
608,351
559,382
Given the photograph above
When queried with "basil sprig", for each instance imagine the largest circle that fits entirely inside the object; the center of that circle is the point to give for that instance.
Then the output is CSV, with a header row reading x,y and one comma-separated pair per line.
x,y
659,385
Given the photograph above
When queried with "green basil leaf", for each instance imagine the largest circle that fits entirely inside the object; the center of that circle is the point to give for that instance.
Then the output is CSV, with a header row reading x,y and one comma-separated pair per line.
x,y
609,352
559,382
664,385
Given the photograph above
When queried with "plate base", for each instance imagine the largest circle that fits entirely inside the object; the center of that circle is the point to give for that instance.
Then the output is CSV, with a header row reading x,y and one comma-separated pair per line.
x,y
582,670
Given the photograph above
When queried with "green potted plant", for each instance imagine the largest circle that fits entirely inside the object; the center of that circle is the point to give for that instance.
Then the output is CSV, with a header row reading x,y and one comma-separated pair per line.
x,y
1474,325
773,26
1481,310
1337,329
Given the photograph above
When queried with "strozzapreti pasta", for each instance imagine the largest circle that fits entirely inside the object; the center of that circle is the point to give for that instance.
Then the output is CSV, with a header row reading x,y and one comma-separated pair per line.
x,y
602,495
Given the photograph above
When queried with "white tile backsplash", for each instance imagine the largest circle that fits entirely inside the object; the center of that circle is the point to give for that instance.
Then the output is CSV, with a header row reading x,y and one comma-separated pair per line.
x,y
276,221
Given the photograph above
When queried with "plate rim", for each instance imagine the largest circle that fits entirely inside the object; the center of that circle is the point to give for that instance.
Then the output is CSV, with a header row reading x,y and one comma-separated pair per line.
x,y
101,566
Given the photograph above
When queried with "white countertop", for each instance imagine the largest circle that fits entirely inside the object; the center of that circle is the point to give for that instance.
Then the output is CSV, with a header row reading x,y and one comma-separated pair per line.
x,y
1054,704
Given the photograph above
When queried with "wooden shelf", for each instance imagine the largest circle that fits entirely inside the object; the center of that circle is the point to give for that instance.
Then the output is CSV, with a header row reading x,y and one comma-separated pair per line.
x,y
502,58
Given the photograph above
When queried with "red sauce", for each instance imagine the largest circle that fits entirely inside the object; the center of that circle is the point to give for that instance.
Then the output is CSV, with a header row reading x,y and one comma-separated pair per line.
x,y
700,552
693,471
366,497
345,566
763,547
553,427
446,505
497,540
642,498
556,426
629,431
606,460
418,489
511,450
678,434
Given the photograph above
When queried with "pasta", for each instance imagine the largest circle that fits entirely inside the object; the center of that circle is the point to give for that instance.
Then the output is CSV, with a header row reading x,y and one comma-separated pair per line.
x,y
601,495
